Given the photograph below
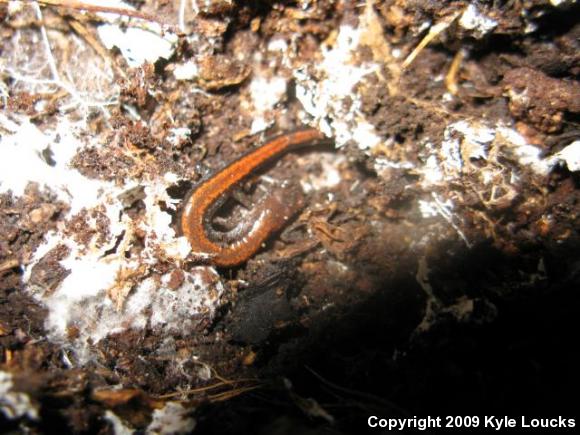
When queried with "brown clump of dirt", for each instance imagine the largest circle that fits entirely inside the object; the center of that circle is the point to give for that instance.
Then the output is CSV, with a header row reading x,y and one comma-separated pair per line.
x,y
380,297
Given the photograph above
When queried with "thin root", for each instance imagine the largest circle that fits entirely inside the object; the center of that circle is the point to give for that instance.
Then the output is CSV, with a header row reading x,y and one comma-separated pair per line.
x,y
434,31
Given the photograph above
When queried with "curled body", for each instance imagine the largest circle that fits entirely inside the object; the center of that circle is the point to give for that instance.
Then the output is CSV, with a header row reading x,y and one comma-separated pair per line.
x,y
233,247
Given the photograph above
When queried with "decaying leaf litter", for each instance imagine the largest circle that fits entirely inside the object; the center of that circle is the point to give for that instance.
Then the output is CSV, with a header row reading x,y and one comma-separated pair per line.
x,y
449,199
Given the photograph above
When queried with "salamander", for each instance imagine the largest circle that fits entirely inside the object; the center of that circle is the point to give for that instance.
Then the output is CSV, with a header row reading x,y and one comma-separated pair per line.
x,y
233,247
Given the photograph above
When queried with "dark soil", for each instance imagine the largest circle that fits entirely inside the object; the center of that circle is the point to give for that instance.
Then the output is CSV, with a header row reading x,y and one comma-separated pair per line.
x,y
361,306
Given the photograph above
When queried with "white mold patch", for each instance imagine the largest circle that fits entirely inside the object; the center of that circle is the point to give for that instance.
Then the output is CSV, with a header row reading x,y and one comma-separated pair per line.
x,y
109,283
119,427
138,45
463,142
28,155
333,101
278,44
431,171
186,71
526,154
178,135
562,3
478,24
329,176
265,94
146,43
571,156
176,309
173,419
477,150
473,148
14,404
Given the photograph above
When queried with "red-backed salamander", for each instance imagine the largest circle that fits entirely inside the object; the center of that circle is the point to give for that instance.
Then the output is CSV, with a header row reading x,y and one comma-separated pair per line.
x,y
233,247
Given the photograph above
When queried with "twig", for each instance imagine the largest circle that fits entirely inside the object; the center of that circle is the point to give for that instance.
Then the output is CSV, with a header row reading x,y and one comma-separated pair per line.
x,y
72,4
82,31
217,396
434,31
181,15
190,391
231,394
451,77
9,264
